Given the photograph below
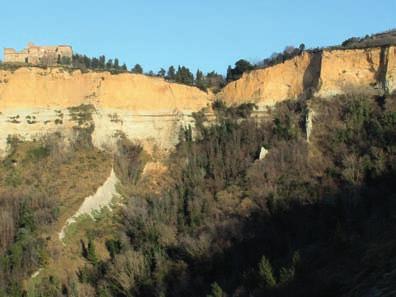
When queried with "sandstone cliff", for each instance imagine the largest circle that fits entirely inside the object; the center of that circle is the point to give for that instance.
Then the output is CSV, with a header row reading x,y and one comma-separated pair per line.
x,y
326,73
55,87
35,101
270,85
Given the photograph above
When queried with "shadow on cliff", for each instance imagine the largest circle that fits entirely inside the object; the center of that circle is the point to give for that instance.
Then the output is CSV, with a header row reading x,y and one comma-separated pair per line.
x,y
311,77
345,246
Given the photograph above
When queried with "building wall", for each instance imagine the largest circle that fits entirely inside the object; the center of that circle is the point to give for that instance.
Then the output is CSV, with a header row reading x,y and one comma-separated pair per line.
x,y
33,54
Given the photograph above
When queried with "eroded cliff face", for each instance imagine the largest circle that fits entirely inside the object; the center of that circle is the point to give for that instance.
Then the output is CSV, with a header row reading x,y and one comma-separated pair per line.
x,y
34,102
290,79
326,73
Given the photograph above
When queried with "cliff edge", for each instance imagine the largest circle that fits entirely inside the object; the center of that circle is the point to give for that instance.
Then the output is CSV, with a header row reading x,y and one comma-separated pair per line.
x,y
325,73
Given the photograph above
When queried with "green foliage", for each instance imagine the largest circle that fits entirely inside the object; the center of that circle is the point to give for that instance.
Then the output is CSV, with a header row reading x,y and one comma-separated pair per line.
x,y
218,208
91,252
137,69
114,247
47,287
38,153
130,161
266,274
84,62
184,76
235,73
216,291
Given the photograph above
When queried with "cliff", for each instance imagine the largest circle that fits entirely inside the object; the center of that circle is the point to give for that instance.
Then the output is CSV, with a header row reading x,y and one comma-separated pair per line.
x,y
267,86
56,87
36,101
326,73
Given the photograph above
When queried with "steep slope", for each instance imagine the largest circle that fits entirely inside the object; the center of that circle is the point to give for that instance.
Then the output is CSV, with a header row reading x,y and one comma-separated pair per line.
x,y
36,101
270,85
56,87
326,73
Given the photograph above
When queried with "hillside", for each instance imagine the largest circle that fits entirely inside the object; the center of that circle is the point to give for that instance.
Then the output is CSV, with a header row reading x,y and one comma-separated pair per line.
x,y
282,184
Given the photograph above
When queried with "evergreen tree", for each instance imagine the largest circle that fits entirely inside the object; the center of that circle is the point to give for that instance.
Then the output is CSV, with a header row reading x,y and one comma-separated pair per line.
x,y
171,75
241,66
124,67
91,252
102,61
216,291
184,76
229,74
116,64
109,64
200,81
95,63
266,274
161,72
86,61
137,69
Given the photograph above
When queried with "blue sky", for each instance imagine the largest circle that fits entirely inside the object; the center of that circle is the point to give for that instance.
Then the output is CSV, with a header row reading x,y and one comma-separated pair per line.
x,y
205,34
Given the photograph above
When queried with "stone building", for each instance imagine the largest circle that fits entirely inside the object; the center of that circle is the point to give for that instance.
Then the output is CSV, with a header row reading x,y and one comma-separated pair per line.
x,y
39,55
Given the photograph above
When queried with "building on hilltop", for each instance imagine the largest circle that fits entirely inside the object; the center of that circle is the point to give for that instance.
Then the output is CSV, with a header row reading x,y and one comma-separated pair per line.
x,y
40,55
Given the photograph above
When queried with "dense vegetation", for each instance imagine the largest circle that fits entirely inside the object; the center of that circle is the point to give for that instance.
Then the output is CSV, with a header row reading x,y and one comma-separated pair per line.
x,y
41,182
310,219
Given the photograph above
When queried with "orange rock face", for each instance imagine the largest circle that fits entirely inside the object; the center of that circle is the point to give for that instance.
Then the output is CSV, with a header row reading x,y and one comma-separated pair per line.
x,y
327,73
35,87
350,71
270,85
391,70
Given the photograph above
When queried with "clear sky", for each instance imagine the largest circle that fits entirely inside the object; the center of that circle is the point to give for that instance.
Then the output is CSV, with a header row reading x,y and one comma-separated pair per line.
x,y
209,34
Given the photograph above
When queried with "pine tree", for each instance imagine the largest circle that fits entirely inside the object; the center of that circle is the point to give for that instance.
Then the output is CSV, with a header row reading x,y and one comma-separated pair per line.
x,y
229,74
266,273
102,61
161,72
109,64
116,64
171,75
137,69
91,252
95,63
216,291
200,81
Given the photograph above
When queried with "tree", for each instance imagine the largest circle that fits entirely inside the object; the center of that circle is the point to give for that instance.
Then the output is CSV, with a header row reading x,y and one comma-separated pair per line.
x,y
137,69
214,80
95,63
116,64
109,64
161,72
124,67
91,252
87,61
184,76
102,61
216,291
171,75
200,80
266,274
229,74
241,66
